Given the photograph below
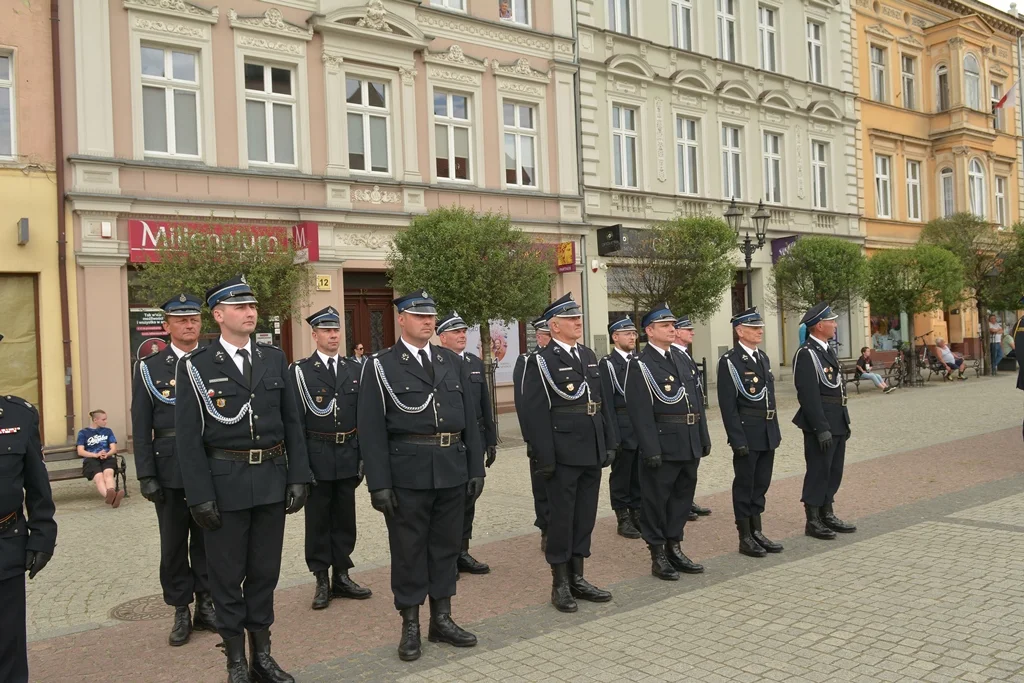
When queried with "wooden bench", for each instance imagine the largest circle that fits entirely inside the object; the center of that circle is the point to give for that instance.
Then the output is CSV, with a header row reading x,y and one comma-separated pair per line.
x,y
67,454
849,370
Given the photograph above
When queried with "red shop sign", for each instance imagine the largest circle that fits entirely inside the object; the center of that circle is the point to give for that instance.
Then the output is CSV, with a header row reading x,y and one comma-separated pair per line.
x,y
147,237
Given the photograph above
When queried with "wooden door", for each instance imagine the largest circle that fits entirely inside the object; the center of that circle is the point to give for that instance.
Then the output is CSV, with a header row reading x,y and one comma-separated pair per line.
x,y
369,320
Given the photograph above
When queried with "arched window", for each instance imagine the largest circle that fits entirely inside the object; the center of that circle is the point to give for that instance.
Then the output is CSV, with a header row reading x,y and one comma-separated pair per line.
x,y
942,88
972,82
976,186
946,192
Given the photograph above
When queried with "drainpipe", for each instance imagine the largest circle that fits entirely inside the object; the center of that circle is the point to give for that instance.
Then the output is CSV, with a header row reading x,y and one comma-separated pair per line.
x,y
579,166
62,242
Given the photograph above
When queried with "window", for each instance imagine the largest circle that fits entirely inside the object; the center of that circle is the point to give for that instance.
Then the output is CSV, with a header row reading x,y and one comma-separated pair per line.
x,y
620,16
517,11
997,114
368,125
170,102
624,145
520,144
942,88
726,28
682,15
773,168
883,198
459,5
6,105
972,82
1001,200
913,190
732,162
976,188
909,67
270,113
451,136
815,52
946,187
766,37
819,174
877,74
687,149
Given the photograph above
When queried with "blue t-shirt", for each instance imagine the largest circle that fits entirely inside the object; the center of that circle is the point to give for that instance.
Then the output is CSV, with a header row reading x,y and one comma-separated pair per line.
x,y
96,440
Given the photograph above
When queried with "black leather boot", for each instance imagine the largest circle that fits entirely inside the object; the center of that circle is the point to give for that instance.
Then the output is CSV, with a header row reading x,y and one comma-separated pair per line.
x,y
748,546
833,522
262,667
680,561
182,629
469,564
409,645
561,595
700,510
443,629
205,618
582,589
660,566
543,541
762,540
322,594
626,528
344,587
634,515
691,516
815,527
234,650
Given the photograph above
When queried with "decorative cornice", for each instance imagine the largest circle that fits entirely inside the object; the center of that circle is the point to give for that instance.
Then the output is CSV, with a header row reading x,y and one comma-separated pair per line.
x,y
375,196
454,56
482,31
910,41
880,31
375,17
173,28
271,21
175,8
374,239
453,75
520,88
518,69
272,45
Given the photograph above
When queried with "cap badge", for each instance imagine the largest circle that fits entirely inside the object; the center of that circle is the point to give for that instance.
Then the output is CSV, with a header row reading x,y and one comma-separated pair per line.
x,y
424,294
243,280
330,309
182,298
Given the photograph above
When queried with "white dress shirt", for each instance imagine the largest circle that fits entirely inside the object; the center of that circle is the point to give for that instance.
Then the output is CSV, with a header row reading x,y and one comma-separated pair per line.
x,y
751,352
233,352
625,354
179,353
567,347
416,351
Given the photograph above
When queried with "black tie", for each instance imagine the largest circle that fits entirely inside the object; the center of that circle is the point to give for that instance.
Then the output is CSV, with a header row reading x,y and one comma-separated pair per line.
x,y
246,367
629,357
576,356
425,360
330,366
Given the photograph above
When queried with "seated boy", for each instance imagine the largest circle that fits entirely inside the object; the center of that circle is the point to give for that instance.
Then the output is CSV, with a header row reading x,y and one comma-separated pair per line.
x,y
98,445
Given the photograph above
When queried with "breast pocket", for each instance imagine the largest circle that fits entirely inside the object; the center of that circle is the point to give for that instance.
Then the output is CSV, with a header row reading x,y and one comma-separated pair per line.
x,y
274,387
454,389
12,455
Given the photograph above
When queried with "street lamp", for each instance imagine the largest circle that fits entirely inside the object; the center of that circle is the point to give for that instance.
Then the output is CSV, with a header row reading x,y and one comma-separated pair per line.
x,y
734,216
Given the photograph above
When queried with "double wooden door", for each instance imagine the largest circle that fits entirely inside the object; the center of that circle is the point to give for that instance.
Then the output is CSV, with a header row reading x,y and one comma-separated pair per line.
x,y
369,319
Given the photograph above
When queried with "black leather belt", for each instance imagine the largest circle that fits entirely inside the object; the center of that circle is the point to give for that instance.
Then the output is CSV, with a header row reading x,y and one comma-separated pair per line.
x,y
757,412
835,400
685,418
588,408
443,440
331,437
8,521
163,433
253,456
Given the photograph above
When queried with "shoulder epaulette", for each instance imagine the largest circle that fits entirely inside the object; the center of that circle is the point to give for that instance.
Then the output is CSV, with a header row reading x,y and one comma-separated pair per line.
x,y
268,345
195,352
380,353
18,401
155,353
300,361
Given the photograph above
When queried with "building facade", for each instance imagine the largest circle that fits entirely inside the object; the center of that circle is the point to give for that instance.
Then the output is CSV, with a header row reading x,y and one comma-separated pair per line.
x,y
337,120
686,104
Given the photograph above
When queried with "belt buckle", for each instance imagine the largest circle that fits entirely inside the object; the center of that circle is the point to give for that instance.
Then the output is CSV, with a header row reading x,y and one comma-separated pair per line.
x,y
591,408
691,418
339,438
446,440
770,415
255,456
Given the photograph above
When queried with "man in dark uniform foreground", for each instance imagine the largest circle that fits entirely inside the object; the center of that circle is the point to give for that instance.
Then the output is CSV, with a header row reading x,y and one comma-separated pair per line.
x,y
624,480
542,511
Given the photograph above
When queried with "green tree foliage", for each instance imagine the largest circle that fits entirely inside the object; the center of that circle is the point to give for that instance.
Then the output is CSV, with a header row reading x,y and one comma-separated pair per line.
x,y
201,261
686,262
819,268
1009,287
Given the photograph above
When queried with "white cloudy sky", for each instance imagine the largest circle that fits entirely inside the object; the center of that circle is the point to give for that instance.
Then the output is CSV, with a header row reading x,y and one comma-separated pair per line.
x,y
1004,4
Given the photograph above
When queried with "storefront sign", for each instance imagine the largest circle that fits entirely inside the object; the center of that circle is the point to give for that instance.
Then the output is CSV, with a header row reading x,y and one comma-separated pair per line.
x,y
781,246
566,257
146,331
323,283
146,238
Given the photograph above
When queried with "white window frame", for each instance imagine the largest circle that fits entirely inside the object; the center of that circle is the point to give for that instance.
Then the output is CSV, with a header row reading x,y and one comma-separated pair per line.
x,y
269,99
520,132
367,112
909,81
913,190
451,5
682,24
820,174
10,85
1001,215
620,136
772,165
943,95
883,186
996,94
879,81
732,161
947,192
621,15
170,85
725,29
767,37
514,18
976,187
687,183
972,83
452,123
815,52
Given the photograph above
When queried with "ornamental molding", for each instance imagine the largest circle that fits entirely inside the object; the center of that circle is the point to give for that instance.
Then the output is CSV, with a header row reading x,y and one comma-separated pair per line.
x,y
484,32
454,56
454,76
332,60
961,150
518,69
271,45
659,137
375,196
374,18
956,42
408,75
520,88
998,70
173,28
880,31
176,8
376,240
271,21
911,41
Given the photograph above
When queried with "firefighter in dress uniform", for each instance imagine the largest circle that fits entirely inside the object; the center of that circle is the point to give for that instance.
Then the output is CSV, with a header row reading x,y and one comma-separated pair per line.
x,y
1018,339
624,480
423,457
182,550
327,386
682,343
542,511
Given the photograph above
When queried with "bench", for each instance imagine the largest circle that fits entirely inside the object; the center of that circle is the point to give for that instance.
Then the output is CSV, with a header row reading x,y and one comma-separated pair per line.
x,y
849,371
68,454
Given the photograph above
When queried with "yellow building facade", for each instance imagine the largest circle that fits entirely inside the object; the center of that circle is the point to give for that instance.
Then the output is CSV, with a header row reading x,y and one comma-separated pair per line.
x,y
928,74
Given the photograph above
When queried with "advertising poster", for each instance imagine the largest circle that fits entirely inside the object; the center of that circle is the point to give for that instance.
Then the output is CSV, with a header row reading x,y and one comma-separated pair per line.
x,y
504,346
146,331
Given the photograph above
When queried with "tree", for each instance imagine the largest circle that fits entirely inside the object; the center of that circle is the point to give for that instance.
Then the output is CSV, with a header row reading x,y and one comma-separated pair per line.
x,y
913,281
977,246
1009,285
686,263
478,265
819,268
195,263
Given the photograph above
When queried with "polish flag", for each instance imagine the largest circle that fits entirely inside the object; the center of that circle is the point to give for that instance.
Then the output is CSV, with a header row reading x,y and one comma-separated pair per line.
x,y
1008,99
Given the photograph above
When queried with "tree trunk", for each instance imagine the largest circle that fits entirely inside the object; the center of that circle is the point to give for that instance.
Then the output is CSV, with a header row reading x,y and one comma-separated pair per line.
x,y
490,367
913,350
986,339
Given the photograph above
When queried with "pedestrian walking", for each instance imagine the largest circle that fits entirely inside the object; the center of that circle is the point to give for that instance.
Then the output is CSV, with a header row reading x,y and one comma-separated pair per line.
x,y
243,459
423,457
451,330
682,343
327,387
667,411
746,397
541,509
825,422
995,345
26,540
183,572
624,480
570,429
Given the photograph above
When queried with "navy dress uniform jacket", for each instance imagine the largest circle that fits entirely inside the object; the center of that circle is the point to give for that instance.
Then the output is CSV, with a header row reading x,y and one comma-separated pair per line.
x,y
755,432
613,367
1018,339
154,456
518,371
446,409
817,415
23,485
329,461
480,397
273,419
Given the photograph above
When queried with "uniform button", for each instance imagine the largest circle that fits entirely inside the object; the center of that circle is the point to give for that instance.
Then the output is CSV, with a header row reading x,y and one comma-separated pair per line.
x,y
255,417
440,419
252,395
257,437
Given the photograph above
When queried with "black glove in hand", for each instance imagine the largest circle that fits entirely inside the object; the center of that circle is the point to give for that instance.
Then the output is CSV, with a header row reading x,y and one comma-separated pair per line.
x,y
741,451
825,441
384,501
474,487
707,450
359,472
609,457
295,497
546,471
652,461
150,489
35,560
206,515
492,455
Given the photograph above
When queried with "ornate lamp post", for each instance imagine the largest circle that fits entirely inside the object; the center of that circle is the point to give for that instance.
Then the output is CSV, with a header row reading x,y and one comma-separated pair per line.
x,y
734,215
